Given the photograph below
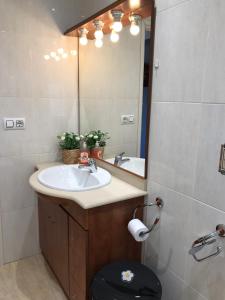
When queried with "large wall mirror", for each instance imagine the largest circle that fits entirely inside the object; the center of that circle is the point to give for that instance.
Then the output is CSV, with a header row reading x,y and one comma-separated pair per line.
x,y
115,82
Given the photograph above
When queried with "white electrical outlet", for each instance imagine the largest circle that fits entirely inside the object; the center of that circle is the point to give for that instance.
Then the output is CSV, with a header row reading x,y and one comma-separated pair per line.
x,y
14,123
127,119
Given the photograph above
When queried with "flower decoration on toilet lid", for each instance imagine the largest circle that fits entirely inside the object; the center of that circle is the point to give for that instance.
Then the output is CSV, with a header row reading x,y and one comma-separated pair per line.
x,y
127,276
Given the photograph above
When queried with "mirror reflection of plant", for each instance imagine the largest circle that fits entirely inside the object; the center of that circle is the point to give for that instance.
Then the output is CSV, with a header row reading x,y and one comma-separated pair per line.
x,y
69,141
96,136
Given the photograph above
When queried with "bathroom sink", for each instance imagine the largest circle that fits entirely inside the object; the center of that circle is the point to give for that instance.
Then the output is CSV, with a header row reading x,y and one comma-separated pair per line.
x,y
72,179
135,165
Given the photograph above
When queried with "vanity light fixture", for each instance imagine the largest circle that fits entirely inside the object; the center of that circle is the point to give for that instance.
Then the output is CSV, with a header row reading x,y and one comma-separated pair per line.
x,y
83,36
117,15
98,29
114,36
98,43
135,24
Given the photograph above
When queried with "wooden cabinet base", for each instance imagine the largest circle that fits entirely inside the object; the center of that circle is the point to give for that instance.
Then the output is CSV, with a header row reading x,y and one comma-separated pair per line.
x,y
77,243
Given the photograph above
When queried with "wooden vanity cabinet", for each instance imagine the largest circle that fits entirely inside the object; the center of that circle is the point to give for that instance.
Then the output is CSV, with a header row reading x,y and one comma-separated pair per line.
x,y
54,239
77,243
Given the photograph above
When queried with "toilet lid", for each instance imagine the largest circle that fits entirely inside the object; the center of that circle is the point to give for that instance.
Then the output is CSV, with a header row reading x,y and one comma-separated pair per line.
x,y
125,281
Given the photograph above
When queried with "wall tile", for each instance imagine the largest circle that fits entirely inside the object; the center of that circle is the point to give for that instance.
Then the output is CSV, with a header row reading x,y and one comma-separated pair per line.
x,y
165,4
20,234
45,119
15,65
210,187
1,243
168,244
214,77
181,50
185,146
15,192
59,79
207,277
174,144
45,93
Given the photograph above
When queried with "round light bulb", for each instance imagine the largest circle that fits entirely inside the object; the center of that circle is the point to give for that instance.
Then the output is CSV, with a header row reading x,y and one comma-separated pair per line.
x,y
83,40
57,58
46,57
114,37
117,26
98,43
73,52
60,50
53,54
134,29
99,34
64,55
134,3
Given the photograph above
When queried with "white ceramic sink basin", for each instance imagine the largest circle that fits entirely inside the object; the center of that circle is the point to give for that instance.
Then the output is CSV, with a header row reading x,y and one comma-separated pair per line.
x,y
72,179
135,165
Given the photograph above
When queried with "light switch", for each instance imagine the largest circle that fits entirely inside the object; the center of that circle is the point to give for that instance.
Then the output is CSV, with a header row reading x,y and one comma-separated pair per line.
x,y
14,123
9,124
127,119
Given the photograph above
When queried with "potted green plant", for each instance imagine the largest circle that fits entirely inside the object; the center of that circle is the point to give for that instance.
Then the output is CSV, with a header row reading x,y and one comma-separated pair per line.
x,y
96,137
69,142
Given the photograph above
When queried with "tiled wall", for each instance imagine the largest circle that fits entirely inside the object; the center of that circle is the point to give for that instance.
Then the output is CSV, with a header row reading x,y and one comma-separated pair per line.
x,y
187,129
110,86
45,93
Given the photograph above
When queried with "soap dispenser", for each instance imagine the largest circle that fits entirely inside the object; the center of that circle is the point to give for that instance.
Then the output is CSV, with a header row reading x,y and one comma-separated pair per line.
x,y
97,151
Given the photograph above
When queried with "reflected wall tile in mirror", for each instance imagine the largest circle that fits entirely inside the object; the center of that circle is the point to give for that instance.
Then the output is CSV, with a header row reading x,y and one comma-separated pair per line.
x,y
113,70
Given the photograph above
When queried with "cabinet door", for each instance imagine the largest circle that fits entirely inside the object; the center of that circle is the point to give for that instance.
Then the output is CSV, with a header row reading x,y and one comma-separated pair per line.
x,y
78,260
54,240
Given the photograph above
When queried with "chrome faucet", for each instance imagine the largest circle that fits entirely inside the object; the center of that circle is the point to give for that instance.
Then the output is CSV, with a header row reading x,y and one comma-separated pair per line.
x,y
119,160
91,166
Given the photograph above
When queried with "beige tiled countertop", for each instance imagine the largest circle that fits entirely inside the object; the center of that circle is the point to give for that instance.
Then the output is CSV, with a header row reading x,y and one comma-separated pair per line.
x,y
116,191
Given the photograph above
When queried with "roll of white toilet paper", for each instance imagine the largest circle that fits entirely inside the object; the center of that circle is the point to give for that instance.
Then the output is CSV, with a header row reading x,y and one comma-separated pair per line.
x,y
136,227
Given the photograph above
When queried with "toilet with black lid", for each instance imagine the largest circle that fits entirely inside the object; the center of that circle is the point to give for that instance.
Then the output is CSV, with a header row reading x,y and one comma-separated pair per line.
x,y
126,280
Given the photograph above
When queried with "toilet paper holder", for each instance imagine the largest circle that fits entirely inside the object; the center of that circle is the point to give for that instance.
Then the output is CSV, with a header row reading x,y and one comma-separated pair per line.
x,y
159,203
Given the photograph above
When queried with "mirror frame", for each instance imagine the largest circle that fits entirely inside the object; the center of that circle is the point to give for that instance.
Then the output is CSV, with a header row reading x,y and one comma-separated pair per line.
x,y
74,32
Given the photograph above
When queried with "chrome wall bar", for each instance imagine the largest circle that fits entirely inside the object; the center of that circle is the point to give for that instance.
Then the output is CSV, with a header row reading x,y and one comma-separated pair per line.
x,y
208,239
159,203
